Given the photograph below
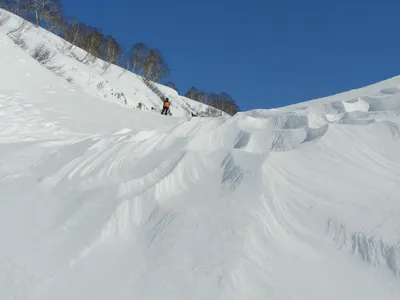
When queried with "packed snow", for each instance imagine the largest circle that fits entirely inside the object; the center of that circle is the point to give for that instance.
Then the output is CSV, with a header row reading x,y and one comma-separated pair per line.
x,y
99,200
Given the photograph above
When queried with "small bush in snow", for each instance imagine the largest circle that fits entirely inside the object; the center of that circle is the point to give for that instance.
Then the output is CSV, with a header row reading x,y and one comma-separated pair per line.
x,y
88,59
42,54
70,79
16,34
212,112
21,43
119,96
45,57
100,85
4,18
58,70
105,67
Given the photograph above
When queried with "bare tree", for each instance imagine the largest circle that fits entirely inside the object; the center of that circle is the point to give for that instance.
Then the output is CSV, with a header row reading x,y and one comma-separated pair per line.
x,y
148,62
155,66
110,49
4,4
138,55
191,93
18,7
172,86
196,95
126,60
56,22
72,33
230,107
92,40
224,102
44,9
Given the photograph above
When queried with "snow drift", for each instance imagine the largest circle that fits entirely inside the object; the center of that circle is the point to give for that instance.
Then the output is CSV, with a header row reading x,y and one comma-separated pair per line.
x,y
99,201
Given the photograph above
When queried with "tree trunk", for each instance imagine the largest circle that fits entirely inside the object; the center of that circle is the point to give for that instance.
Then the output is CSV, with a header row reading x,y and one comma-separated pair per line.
x,y
87,54
37,18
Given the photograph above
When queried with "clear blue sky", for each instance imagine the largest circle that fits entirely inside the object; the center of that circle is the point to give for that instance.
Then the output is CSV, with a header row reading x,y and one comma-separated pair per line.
x,y
263,53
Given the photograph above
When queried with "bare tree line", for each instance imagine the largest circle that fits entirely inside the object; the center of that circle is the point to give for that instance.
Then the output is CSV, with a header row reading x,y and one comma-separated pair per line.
x,y
221,101
140,59
37,11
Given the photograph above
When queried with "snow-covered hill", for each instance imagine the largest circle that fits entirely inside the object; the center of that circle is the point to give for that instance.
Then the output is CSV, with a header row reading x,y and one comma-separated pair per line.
x,y
113,84
99,201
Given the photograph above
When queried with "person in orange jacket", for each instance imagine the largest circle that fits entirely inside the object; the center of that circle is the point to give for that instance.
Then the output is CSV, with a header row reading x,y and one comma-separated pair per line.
x,y
166,106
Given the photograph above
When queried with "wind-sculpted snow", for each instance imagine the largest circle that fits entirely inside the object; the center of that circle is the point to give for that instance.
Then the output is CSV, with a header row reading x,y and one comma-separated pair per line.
x,y
102,202
371,249
232,210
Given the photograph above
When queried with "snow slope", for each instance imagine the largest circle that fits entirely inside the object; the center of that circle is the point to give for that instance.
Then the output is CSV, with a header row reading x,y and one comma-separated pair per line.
x,y
98,201
114,84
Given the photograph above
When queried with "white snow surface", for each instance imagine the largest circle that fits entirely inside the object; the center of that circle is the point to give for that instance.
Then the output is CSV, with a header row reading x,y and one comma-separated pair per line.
x,y
100,201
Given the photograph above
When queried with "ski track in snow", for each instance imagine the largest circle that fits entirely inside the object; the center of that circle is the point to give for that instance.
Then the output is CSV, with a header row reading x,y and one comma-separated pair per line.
x,y
99,202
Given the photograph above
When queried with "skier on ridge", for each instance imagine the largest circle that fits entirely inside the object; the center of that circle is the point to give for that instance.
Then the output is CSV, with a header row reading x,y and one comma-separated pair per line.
x,y
166,106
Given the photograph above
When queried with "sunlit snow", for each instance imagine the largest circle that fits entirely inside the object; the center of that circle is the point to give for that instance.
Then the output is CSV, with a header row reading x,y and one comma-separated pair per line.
x,y
101,201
